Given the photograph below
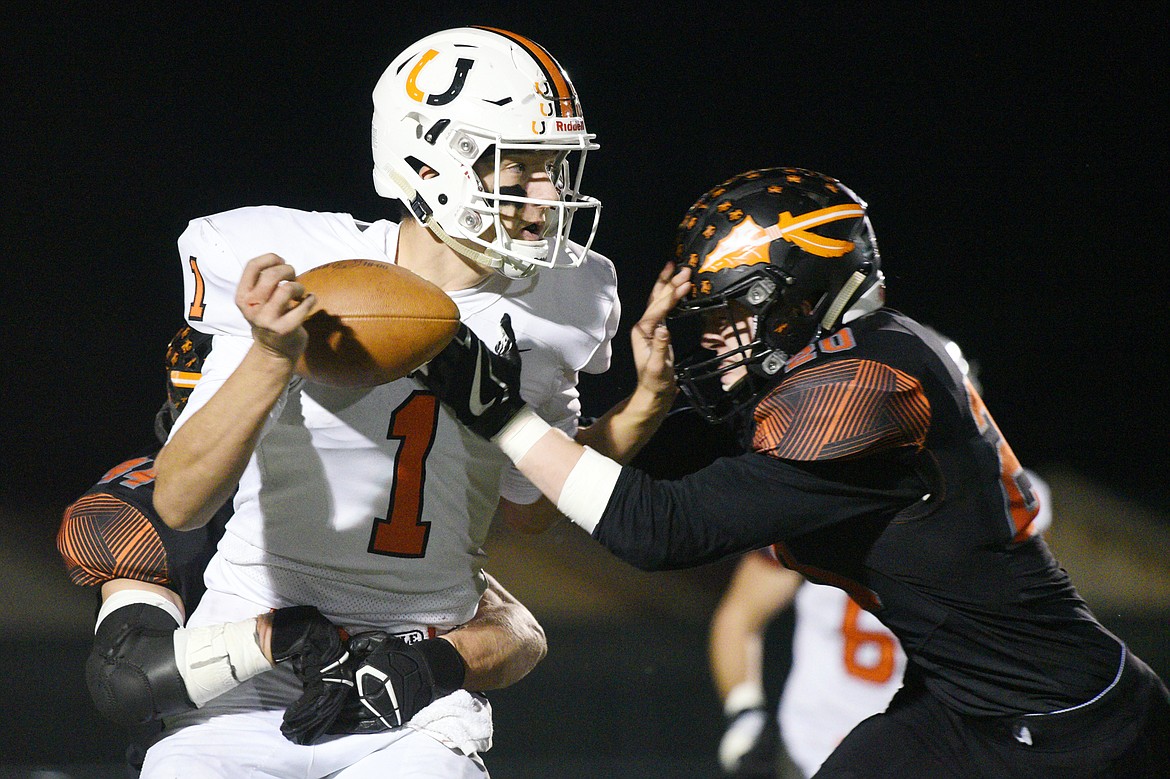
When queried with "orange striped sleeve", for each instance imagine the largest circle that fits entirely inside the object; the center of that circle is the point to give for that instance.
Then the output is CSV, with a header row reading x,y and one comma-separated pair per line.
x,y
842,409
103,538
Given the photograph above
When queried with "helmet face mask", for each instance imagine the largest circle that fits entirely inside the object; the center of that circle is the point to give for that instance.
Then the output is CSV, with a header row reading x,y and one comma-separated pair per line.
x,y
792,247
485,207
725,362
462,99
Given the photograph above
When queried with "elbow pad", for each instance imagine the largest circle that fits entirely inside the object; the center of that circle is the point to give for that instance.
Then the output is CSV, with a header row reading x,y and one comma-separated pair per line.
x,y
131,673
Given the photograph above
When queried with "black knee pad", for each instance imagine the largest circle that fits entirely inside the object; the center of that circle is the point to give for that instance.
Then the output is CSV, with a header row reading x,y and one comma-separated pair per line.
x,y
131,672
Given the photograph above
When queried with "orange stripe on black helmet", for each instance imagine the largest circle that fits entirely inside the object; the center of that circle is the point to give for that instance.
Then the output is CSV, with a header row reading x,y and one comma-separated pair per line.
x,y
564,98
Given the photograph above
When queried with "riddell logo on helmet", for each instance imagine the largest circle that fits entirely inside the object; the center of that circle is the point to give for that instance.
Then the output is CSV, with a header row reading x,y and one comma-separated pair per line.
x,y
570,125
747,243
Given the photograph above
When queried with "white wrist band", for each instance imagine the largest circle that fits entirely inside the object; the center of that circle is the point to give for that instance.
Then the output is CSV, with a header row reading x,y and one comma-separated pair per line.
x,y
521,432
129,597
587,489
216,658
745,695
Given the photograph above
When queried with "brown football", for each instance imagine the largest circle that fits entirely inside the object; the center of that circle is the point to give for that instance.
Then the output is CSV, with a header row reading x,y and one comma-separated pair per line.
x,y
372,322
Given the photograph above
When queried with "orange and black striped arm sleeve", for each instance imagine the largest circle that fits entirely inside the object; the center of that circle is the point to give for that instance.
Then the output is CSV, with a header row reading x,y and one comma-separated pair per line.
x,y
103,538
842,409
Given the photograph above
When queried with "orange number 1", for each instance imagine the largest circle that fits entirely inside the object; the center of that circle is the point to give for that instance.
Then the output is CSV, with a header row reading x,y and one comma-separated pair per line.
x,y
403,533
195,312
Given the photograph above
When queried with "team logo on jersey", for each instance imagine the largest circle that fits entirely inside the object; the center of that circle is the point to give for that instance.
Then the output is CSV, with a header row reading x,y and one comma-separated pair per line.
x,y
462,66
747,243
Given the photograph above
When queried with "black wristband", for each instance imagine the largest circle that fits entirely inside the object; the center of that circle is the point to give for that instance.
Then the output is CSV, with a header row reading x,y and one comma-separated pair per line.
x,y
446,664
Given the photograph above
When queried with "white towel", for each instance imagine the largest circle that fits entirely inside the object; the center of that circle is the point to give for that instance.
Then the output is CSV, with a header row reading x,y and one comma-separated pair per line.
x,y
461,721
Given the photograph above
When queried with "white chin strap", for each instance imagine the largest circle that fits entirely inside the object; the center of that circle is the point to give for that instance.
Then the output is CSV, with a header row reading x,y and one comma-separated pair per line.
x,y
510,267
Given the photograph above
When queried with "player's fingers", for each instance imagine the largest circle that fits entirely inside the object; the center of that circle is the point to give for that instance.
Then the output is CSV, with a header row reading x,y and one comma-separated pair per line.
x,y
657,372
681,284
662,300
671,278
661,346
662,280
257,265
289,305
666,273
260,278
299,310
273,277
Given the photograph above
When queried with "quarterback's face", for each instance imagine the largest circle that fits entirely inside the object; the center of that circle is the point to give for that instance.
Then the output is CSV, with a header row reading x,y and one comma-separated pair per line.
x,y
527,174
727,331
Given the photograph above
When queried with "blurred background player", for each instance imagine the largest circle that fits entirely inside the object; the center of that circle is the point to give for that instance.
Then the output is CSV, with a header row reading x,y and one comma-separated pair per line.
x,y
151,575
372,505
846,665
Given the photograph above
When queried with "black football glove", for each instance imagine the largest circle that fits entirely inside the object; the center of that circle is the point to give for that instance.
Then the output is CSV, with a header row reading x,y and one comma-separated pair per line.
x,y
395,680
750,747
480,386
315,648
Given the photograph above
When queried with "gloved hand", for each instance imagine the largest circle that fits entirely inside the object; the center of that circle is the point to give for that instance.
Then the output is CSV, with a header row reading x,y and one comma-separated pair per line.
x,y
394,680
316,649
750,745
480,386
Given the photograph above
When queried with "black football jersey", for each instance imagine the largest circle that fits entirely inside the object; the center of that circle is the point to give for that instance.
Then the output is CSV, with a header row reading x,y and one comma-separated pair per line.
x,y
113,532
875,467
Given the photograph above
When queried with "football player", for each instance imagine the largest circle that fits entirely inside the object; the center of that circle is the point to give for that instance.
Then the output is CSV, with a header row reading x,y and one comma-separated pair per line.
x,y
846,665
371,505
150,575
874,466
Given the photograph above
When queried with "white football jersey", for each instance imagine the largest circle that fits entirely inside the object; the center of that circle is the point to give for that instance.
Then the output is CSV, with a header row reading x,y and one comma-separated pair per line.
x,y
372,504
846,665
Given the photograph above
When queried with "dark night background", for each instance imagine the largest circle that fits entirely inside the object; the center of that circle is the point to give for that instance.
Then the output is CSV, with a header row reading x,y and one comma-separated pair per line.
x,y
1015,164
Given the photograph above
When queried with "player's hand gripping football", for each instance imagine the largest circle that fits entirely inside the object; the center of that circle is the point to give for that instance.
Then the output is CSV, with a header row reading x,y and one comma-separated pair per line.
x,y
316,649
395,680
275,305
481,386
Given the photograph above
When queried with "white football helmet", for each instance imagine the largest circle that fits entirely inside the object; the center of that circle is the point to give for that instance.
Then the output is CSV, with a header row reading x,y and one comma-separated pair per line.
x,y
452,97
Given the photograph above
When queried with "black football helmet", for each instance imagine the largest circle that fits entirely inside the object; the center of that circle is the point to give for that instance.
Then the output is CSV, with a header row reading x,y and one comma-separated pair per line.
x,y
184,365
793,247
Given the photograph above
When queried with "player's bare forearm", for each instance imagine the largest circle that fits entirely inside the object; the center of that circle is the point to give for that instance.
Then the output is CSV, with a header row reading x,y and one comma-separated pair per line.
x,y
201,465
529,518
758,591
621,432
198,469
501,644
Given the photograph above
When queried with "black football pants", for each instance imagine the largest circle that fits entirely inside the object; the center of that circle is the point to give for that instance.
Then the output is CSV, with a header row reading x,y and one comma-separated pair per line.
x,y
1125,733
